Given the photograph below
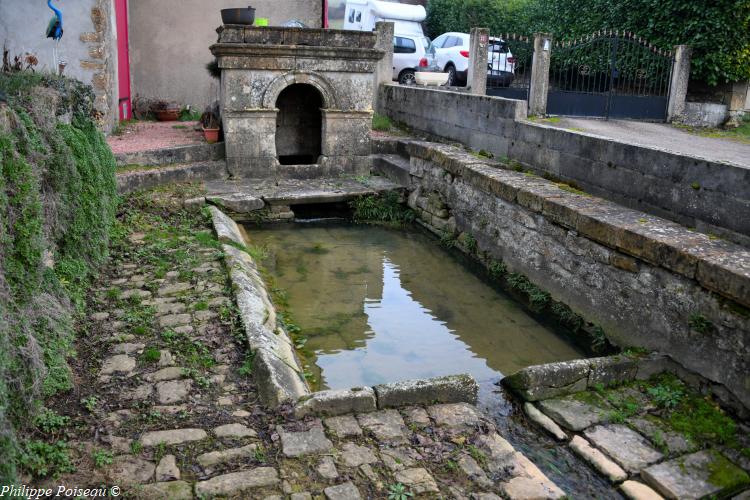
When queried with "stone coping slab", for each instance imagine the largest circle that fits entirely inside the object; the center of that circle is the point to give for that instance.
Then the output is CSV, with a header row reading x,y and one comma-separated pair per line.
x,y
276,368
173,155
448,389
717,265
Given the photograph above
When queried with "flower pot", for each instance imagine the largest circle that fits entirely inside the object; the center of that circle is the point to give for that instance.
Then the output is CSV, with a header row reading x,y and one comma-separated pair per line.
x,y
211,135
167,115
245,16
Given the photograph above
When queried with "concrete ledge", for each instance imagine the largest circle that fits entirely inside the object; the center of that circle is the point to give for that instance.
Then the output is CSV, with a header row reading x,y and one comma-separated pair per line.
x,y
136,180
276,369
178,154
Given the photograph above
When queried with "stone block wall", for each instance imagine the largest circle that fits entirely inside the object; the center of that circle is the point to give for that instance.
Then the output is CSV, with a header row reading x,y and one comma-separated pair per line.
x,y
709,196
645,280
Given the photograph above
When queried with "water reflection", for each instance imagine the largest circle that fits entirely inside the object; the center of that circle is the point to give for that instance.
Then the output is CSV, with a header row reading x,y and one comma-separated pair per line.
x,y
381,305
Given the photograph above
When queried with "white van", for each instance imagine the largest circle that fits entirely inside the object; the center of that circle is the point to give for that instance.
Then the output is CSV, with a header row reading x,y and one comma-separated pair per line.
x,y
361,15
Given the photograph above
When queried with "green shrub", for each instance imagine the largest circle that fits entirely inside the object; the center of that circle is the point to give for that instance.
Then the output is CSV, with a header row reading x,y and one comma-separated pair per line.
x,y
718,32
385,207
46,459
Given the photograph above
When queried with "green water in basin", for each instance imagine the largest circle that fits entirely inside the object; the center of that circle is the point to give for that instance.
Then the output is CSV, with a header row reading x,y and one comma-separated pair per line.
x,y
382,305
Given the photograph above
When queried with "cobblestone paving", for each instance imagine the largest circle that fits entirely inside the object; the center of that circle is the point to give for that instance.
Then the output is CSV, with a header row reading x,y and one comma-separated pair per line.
x,y
166,407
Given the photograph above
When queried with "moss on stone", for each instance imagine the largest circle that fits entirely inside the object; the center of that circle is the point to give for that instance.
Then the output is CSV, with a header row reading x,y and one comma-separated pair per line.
x,y
725,475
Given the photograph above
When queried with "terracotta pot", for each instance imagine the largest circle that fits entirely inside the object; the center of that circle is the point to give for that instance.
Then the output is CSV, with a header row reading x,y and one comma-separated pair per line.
x,y
167,115
211,135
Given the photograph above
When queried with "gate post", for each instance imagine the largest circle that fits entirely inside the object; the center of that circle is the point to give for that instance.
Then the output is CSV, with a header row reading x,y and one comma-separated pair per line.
x,y
539,86
679,84
384,68
476,80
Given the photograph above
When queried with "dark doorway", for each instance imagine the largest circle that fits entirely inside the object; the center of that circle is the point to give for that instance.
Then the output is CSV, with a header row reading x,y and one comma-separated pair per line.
x,y
299,125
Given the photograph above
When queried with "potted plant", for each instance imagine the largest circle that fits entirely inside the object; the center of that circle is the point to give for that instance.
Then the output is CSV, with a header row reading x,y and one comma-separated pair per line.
x,y
211,126
165,111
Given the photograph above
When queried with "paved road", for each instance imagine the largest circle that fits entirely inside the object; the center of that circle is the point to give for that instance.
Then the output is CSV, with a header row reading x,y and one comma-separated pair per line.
x,y
663,136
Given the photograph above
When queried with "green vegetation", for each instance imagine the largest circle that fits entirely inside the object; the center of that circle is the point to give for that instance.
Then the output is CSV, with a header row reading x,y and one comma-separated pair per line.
x,y
384,208
700,323
380,122
49,422
57,205
102,458
718,32
537,297
739,134
399,492
45,459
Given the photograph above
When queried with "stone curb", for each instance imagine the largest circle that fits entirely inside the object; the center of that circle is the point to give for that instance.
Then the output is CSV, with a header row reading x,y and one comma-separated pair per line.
x,y
173,155
276,369
717,265
449,389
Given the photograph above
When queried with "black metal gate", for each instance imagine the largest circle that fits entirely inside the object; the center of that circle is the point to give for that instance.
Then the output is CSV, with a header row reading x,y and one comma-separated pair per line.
x,y
509,66
609,74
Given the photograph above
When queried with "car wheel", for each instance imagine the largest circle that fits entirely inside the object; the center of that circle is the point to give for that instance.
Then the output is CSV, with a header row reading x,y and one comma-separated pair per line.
x,y
407,77
452,80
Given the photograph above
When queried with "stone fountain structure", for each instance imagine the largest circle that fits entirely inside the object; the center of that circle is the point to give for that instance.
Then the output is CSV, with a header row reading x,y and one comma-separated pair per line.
x,y
296,102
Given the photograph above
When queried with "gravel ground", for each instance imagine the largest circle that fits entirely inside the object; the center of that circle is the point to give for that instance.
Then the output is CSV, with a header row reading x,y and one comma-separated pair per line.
x,y
147,136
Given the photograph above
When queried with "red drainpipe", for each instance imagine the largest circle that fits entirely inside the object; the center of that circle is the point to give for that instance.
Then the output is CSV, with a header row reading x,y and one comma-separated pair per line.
x,y
325,13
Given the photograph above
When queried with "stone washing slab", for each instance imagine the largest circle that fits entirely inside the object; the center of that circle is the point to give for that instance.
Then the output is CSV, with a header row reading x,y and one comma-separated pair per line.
x,y
239,203
717,265
624,445
448,389
290,192
538,382
337,402
702,474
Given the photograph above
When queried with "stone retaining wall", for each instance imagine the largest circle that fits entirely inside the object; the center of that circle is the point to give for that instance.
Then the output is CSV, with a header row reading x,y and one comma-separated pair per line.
x,y
135,180
173,155
647,281
707,195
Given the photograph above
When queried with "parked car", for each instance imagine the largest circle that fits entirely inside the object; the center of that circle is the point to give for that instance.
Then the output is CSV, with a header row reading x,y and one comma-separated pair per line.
x,y
411,53
452,56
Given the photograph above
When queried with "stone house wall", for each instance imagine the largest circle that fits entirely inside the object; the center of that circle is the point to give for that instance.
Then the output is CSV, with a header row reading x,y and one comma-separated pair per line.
x,y
169,43
88,46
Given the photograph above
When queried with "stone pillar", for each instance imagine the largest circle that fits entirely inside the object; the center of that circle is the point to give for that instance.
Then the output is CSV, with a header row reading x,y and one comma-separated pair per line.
x,y
738,99
539,85
384,42
679,85
476,80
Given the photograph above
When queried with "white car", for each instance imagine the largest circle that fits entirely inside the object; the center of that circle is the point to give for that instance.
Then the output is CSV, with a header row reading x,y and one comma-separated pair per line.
x,y
452,56
412,52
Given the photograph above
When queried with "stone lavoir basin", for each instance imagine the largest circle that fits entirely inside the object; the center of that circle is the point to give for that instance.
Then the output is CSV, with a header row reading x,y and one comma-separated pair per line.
x,y
380,305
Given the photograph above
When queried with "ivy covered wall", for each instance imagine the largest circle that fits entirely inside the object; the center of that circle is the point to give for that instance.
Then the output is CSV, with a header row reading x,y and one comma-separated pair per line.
x,y
57,206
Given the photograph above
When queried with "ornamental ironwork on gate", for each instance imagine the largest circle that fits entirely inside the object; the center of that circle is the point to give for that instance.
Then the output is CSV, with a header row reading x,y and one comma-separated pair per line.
x,y
610,74
509,66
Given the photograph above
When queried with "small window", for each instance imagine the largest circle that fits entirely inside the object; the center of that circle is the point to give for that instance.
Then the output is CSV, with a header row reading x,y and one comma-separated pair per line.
x,y
351,15
359,16
439,41
452,42
403,45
